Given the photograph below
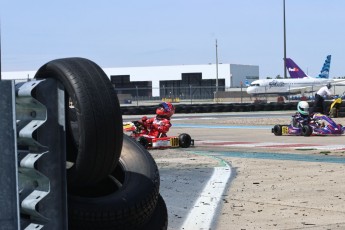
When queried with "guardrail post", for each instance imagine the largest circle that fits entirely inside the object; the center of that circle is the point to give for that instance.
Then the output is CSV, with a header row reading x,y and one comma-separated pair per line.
x,y
53,165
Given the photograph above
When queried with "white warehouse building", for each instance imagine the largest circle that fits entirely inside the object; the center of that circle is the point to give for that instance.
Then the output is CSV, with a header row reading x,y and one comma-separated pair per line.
x,y
233,74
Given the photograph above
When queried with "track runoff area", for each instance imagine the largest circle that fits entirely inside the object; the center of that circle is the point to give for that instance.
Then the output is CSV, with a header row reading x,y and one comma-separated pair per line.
x,y
220,141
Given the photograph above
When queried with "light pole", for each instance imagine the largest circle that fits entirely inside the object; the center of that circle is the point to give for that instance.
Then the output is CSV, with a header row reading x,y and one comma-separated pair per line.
x,y
136,87
285,75
216,66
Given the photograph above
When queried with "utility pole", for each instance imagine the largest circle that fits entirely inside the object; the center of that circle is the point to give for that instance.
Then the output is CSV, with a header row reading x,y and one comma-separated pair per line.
x,y
216,66
285,74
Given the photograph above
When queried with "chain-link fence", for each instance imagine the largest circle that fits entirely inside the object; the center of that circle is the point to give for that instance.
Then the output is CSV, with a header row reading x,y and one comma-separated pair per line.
x,y
194,95
137,96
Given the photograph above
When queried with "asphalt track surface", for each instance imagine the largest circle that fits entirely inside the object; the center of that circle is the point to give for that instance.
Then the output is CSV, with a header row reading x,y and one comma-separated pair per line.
x,y
244,177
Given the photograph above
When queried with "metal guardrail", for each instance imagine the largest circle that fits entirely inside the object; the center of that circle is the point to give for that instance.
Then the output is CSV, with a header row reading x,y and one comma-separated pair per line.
x,y
33,156
9,196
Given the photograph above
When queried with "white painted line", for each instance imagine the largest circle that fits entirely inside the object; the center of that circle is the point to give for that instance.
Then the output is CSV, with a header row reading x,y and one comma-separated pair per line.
x,y
272,145
201,216
325,147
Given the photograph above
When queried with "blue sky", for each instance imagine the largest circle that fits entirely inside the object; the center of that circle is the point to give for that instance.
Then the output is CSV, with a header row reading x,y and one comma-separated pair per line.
x,y
160,32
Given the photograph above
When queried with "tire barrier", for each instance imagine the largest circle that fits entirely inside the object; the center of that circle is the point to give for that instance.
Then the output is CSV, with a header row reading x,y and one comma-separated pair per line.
x,y
127,199
106,180
117,182
159,218
96,152
225,107
209,108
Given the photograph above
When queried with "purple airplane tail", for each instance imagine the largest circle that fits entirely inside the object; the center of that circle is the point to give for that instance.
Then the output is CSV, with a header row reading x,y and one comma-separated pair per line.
x,y
294,70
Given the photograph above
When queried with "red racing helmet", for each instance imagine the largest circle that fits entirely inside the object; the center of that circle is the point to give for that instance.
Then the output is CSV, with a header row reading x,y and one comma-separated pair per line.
x,y
165,109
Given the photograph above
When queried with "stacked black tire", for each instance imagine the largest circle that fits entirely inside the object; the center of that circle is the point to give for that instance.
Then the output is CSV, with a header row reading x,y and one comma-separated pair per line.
x,y
113,182
213,108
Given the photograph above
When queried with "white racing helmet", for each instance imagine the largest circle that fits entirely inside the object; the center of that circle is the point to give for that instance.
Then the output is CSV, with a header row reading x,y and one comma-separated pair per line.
x,y
303,107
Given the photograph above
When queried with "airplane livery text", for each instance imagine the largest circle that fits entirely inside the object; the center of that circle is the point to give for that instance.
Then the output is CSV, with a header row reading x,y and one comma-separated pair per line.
x,y
276,83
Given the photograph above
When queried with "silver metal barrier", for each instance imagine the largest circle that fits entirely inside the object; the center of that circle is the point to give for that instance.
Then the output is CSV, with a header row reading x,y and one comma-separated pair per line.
x,y
32,155
9,196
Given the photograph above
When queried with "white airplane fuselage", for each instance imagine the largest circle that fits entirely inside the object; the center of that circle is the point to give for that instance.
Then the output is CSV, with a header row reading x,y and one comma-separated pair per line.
x,y
286,86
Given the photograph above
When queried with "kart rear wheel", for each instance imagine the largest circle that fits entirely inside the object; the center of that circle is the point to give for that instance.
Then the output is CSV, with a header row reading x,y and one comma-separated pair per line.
x,y
307,130
184,140
144,142
277,130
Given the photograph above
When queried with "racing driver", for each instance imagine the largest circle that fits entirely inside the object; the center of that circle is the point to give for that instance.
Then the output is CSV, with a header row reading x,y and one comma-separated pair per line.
x,y
158,126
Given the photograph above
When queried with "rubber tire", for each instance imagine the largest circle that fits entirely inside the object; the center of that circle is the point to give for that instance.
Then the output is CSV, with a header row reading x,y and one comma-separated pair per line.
x,y
99,121
144,142
306,130
277,130
159,218
125,207
184,140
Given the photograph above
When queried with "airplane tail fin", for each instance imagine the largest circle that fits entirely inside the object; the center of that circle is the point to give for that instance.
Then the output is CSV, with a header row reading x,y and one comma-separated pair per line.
x,y
247,83
324,73
294,70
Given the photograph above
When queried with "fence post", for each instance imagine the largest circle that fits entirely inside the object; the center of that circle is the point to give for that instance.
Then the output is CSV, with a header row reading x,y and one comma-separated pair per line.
x,y
190,94
136,87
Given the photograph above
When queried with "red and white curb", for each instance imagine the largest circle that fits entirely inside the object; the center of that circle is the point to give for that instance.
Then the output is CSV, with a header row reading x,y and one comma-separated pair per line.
x,y
245,144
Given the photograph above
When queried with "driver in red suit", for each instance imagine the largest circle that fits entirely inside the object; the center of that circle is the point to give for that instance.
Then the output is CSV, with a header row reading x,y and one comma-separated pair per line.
x,y
158,126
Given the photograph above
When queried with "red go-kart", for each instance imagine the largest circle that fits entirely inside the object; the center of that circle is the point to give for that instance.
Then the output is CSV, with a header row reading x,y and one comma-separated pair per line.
x,y
135,130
